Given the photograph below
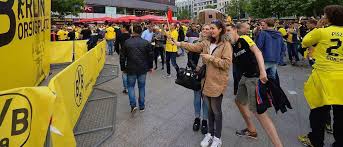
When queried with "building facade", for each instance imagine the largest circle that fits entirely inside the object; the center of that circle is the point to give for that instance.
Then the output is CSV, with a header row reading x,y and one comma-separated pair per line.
x,y
194,6
182,5
116,8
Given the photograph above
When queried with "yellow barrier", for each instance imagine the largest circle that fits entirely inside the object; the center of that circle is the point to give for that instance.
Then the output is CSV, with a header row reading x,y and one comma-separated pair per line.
x,y
73,86
80,48
62,51
24,35
25,115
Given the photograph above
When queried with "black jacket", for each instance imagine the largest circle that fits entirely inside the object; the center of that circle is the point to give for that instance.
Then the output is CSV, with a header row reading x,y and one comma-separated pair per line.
x,y
271,93
193,59
279,98
181,36
136,56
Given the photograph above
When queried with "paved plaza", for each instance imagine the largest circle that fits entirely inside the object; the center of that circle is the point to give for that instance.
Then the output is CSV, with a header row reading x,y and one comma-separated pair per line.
x,y
169,114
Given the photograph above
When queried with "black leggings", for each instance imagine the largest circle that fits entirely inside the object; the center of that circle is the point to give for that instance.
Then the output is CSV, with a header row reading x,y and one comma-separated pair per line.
x,y
215,117
159,51
318,124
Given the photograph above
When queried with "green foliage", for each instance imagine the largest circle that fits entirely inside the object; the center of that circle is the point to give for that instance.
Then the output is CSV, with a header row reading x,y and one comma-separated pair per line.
x,y
183,14
281,8
235,8
67,7
210,7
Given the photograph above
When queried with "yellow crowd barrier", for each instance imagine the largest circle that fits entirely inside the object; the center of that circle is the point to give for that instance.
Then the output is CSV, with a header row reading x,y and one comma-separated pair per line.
x,y
62,51
25,115
25,55
73,86
24,38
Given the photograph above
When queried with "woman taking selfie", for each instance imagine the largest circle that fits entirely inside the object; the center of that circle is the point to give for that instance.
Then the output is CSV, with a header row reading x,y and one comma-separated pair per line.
x,y
216,55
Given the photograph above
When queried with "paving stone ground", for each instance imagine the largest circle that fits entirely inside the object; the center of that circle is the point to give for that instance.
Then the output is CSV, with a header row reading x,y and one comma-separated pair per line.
x,y
169,115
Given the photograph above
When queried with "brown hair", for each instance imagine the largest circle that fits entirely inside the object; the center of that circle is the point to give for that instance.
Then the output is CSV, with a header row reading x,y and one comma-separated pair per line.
x,y
312,21
269,21
220,25
334,14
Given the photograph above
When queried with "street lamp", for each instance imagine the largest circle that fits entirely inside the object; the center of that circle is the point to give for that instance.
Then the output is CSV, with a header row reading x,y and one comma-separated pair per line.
x,y
74,7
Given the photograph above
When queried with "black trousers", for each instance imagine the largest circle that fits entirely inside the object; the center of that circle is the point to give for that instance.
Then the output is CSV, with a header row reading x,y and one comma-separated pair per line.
x,y
159,51
318,125
215,116
171,56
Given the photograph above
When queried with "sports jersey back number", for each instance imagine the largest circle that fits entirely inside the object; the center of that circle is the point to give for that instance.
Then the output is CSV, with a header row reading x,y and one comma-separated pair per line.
x,y
329,50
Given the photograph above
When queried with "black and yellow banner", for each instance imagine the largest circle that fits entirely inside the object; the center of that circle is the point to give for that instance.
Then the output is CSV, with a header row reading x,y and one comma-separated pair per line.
x,y
24,36
73,86
62,51
25,114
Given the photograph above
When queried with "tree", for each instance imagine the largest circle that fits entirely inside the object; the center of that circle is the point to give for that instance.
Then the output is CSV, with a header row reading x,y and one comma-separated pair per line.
x,y
67,7
183,14
237,8
282,8
210,7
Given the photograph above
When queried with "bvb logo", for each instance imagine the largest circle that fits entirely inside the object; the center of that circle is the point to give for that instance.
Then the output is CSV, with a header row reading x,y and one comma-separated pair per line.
x,y
79,85
15,119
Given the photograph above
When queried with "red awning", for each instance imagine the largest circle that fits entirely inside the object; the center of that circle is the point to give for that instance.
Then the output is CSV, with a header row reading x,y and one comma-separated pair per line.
x,y
185,21
152,18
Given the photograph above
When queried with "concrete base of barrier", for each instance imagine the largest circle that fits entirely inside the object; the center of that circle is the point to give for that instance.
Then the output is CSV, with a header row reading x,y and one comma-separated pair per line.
x,y
97,120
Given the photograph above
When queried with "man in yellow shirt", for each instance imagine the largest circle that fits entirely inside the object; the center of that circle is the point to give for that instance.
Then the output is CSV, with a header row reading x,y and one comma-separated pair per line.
x,y
171,49
292,40
62,34
110,36
324,87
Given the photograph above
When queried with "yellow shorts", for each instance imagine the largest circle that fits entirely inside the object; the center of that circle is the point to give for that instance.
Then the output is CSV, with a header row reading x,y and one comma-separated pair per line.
x,y
324,88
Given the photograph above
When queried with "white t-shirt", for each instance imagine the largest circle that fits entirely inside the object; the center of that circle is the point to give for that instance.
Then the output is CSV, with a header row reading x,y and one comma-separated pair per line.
x,y
212,47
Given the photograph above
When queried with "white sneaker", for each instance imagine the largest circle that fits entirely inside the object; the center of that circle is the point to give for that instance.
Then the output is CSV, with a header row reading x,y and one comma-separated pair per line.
x,y
207,140
167,76
216,142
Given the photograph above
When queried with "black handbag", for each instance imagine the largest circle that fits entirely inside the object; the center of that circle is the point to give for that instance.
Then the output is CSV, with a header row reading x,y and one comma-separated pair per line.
x,y
202,72
189,79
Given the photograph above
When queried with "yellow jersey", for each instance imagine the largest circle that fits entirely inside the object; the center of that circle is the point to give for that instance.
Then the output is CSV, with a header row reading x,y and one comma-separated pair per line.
x,y
185,29
283,31
324,86
110,33
329,49
290,35
169,46
77,35
62,35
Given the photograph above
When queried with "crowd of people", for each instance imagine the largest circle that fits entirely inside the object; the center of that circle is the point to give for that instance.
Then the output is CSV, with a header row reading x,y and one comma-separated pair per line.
x,y
254,50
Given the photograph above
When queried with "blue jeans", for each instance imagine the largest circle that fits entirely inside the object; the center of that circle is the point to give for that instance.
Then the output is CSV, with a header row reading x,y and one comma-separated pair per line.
x,y
171,56
292,51
131,82
124,77
182,52
110,46
197,106
282,55
271,68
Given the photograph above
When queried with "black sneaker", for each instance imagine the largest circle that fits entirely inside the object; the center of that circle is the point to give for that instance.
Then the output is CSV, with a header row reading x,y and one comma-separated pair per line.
x,y
125,91
141,109
196,124
155,68
133,109
204,128
246,133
